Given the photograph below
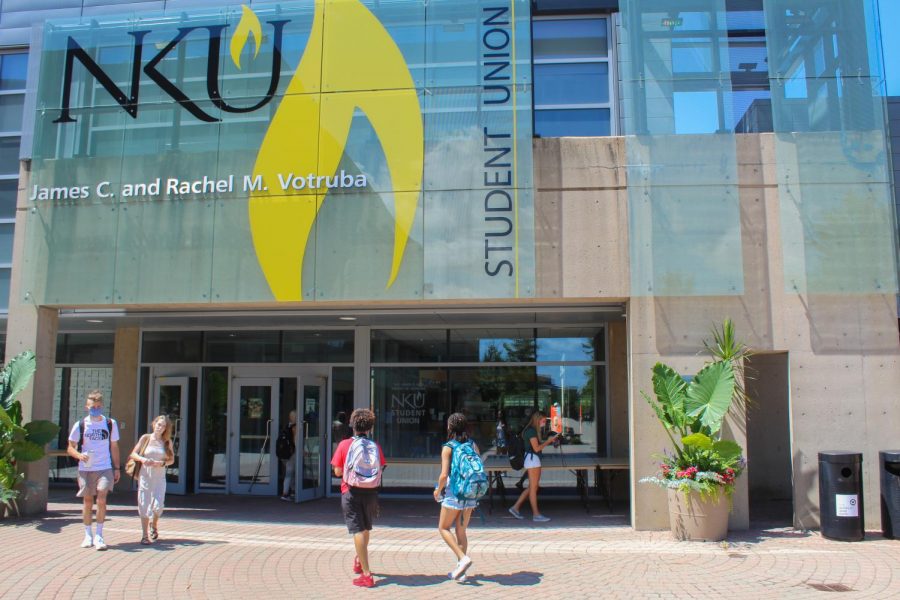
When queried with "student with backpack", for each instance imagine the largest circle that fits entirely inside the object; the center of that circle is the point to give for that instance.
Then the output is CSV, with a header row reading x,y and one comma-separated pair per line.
x,y
285,448
359,462
534,445
461,483
94,443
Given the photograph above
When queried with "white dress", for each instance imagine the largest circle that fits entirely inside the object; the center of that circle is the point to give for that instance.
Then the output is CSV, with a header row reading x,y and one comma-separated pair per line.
x,y
152,482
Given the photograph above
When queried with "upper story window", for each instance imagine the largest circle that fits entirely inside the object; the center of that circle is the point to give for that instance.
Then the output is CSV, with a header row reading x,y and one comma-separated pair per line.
x,y
13,68
572,76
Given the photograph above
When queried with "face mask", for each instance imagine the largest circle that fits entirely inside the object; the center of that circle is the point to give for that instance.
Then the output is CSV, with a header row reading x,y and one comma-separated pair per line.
x,y
96,412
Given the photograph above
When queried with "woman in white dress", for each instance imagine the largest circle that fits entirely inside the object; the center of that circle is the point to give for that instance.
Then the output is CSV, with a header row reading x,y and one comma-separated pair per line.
x,y
154,452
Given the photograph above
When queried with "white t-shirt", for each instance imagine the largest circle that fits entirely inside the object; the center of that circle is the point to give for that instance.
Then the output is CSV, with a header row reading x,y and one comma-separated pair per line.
x,y
96,443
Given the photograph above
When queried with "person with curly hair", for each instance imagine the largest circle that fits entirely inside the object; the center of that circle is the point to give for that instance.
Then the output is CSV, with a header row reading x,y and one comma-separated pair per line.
x,y
359,462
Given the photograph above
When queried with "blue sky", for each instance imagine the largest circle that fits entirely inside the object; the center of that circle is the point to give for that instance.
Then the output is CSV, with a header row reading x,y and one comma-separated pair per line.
x,y
890,17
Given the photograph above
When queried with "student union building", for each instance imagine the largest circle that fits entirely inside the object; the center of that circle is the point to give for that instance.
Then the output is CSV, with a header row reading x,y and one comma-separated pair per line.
x,y
229,213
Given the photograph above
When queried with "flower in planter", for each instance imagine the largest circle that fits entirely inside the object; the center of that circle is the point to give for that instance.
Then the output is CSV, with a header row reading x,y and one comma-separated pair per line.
x,y
705,466
692,413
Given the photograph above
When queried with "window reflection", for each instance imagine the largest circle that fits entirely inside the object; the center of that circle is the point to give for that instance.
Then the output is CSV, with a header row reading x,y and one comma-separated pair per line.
x,y
501,345
412,407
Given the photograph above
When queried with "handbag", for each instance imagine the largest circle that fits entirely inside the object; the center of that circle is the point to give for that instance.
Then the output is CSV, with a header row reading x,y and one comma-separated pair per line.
x,y
133,467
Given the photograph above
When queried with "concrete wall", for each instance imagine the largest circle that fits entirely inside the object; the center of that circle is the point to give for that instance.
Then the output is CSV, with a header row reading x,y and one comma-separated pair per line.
x,y
844,350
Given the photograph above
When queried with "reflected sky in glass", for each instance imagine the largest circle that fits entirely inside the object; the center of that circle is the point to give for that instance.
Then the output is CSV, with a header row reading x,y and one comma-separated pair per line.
x,y
890,16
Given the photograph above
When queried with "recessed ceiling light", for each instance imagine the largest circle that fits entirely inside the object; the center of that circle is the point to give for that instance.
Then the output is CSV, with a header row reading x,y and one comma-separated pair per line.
x,y
347,318
94,320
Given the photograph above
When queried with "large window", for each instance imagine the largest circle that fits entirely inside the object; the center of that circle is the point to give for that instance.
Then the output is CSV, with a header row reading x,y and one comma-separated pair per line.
x,y
493,376
572,76
12,99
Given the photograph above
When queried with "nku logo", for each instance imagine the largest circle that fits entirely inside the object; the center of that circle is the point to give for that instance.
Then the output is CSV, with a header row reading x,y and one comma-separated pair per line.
x,y
365,71
248,24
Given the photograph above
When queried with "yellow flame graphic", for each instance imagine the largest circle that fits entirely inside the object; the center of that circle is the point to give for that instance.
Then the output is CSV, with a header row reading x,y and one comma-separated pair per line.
x,y
359,55
248,24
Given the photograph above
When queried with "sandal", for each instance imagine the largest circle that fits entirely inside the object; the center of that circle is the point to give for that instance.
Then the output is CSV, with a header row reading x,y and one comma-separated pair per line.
x,y
145,541
154,534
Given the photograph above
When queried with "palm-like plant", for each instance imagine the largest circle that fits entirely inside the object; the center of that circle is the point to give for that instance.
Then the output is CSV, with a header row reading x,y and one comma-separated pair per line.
x,y
692,412
18,443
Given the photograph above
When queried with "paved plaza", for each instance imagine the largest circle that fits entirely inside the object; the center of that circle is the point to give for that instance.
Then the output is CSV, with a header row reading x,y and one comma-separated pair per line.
x,y
261,548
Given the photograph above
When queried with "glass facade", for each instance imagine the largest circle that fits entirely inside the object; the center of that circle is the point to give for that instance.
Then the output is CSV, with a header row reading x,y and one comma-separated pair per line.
x,y
572,76
13,67
212,199
810,72
496,378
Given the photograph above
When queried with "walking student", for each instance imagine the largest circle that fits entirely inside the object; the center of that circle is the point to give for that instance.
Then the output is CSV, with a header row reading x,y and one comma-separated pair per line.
x,y
94,443
533,448
359,462
153,452
460,498
286,449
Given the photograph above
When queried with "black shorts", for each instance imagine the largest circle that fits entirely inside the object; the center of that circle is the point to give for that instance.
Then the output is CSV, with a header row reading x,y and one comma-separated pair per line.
x,y
360,507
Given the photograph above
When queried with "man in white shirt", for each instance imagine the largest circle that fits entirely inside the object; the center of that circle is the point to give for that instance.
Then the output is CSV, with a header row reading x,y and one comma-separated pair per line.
x,y
94,443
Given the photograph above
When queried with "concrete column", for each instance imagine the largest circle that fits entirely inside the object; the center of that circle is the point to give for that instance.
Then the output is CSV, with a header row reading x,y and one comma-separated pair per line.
x,y
124,388
31,327
34,328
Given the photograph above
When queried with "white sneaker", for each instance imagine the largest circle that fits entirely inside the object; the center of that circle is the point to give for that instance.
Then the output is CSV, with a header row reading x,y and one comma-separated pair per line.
x,y
87,542
464,563
99,544
540,519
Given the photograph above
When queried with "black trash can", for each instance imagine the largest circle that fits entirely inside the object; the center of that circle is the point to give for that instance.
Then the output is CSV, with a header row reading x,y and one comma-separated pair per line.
x,y
841,496
890,493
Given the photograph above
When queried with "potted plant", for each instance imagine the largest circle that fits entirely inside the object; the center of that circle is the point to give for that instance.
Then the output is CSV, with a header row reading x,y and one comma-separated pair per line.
x,y
700,472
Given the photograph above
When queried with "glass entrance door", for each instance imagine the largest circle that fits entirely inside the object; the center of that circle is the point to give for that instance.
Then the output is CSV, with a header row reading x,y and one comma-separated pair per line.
x,y
313,439
170,398
252,466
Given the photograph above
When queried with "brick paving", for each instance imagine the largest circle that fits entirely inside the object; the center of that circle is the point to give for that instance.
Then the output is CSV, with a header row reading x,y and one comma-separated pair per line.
x,y
261,548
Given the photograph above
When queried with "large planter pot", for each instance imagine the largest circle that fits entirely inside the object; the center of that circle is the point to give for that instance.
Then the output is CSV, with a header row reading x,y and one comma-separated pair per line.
x,y
693,518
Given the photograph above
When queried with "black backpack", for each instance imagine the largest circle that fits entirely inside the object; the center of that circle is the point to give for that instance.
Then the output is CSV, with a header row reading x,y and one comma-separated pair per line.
x,y
515,448
284,445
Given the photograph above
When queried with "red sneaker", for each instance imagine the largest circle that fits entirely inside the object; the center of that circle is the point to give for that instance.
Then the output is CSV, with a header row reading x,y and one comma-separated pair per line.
x,y
357,568
365,581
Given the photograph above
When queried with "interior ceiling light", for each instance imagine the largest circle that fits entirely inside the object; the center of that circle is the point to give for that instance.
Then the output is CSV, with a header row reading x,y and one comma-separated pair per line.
x,y
347,318
94,320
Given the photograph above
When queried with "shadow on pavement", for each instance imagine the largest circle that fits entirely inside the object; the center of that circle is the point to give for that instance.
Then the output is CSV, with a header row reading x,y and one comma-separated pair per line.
x,y
159,545
508,579
65,510
520,578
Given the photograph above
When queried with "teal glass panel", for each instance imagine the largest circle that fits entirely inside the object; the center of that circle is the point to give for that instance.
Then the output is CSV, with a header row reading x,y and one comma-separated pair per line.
x,y
177,169
471,41
472,250
164,251
364,53
487,143
684,211
77,264
248,82
354,240
236,272
838,222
